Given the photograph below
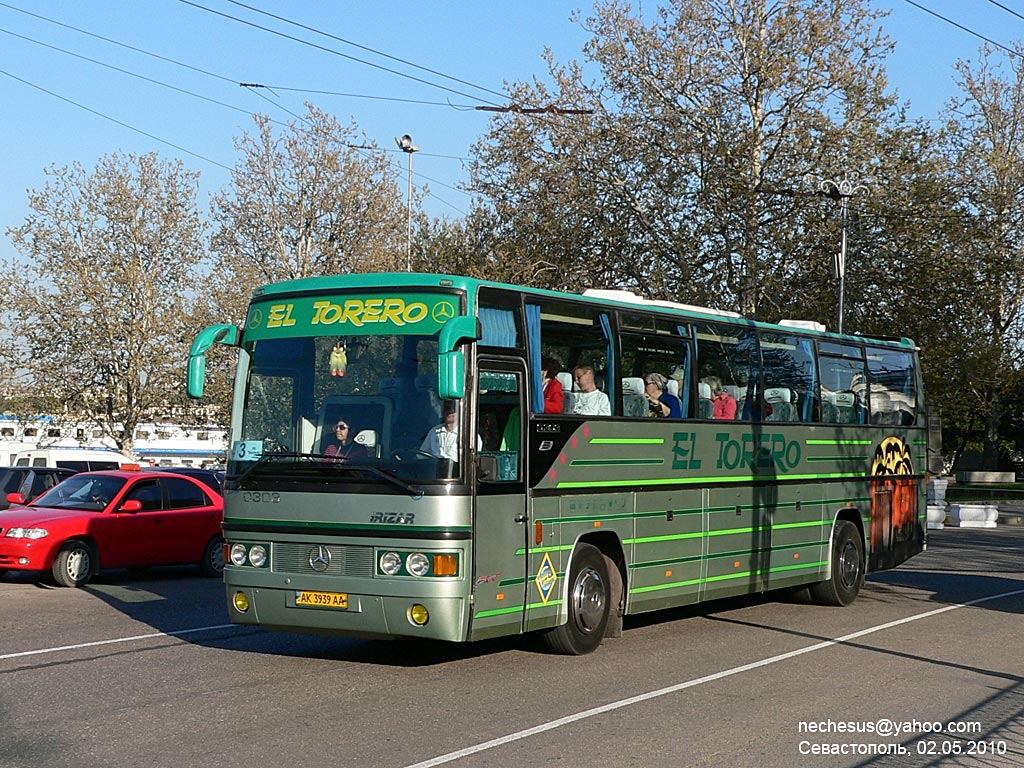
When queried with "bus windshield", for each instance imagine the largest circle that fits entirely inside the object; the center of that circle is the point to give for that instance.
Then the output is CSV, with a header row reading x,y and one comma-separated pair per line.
x,y
354,409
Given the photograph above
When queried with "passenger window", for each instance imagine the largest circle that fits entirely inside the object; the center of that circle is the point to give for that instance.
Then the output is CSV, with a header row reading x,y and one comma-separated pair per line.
x,y
727,364
893,394
788,375
842,387
182,494
663,350
580,338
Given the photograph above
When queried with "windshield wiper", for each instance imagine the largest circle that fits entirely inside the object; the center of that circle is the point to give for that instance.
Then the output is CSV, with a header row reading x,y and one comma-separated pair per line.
x,y
266,457
414,491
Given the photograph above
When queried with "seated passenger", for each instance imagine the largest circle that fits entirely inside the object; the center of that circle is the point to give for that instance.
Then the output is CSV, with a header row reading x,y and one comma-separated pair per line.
x,y
725,405
660,403
344,447
554,396
589,400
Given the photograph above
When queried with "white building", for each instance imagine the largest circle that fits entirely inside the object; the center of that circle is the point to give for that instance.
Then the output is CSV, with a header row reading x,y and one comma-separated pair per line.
x,y
156,444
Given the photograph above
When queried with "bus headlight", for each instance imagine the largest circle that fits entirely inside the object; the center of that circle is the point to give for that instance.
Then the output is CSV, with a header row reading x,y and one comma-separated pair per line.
x,y
238,554
258,556
391,563
417,564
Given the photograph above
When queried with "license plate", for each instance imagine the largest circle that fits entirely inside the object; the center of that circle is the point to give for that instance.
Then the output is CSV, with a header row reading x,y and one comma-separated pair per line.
x,y
322,599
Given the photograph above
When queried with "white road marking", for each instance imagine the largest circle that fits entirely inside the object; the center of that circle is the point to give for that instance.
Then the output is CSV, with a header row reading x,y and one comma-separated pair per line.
x,y
177,633
612,706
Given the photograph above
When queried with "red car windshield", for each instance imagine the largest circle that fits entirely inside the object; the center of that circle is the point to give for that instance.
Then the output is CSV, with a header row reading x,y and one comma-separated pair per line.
x,y
82,491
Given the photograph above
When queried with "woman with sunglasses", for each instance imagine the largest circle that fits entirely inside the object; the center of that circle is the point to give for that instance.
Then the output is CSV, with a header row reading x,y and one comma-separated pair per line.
x,y
344,447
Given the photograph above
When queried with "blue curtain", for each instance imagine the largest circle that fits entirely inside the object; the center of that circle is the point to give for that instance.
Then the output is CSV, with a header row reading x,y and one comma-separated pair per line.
x,y
684,386
533,335
606,327
498,326
807,347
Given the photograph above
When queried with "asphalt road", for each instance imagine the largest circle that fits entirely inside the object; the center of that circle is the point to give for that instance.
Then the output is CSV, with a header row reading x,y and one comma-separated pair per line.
x,y
925,669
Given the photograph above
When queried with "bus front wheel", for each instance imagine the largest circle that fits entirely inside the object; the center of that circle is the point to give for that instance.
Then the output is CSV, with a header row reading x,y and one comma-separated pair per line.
x,y
846,574
589,604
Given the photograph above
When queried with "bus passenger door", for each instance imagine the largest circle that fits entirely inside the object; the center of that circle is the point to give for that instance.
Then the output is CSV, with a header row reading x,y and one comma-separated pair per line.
x,y
500,510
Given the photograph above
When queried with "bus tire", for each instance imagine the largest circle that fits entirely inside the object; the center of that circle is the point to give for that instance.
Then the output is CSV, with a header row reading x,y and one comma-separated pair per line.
x,y
74,564
847,568
589,605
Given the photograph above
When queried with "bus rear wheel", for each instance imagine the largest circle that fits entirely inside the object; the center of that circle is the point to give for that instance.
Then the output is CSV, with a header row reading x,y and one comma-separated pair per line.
x,y
846,574
589,605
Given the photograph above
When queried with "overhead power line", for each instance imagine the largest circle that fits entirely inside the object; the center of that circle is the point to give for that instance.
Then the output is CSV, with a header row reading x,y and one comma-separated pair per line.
x,y
115,120
325,49
370,50
969,31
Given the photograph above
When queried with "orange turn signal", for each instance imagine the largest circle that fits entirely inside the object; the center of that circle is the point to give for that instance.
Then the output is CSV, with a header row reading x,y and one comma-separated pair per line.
x,y
446,565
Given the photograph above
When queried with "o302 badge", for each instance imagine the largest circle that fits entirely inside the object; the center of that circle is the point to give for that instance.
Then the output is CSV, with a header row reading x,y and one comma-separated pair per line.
x,y
546,578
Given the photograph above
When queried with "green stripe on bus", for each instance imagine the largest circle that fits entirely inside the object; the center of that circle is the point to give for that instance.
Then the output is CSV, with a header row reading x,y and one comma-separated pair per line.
x,y
614,462
727,532
818,441
836,458
744,575
632,482
627,441
515,609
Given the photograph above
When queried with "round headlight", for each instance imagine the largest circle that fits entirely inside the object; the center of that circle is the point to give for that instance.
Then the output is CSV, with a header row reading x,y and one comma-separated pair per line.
x,y
417,564
258,556
391,563
238,554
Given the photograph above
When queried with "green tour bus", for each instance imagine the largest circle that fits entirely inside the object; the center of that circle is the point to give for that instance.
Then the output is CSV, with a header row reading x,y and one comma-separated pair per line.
x,y
442,457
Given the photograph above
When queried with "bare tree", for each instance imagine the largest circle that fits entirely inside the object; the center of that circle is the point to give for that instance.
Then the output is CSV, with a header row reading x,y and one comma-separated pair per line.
x,y
102,306
313,201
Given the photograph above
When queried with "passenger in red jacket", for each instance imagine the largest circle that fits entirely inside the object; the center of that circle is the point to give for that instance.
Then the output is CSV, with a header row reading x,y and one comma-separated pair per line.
x,y
554,397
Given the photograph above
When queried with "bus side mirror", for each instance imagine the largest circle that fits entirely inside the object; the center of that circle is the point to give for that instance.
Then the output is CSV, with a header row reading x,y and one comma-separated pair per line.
x,y
215,334
451,375
451,363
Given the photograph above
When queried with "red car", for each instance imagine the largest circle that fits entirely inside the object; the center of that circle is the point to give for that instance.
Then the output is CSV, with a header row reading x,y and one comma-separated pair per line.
x,y
114,519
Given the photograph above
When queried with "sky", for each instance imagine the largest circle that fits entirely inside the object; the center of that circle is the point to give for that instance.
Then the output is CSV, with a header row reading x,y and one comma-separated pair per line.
x,y
166,77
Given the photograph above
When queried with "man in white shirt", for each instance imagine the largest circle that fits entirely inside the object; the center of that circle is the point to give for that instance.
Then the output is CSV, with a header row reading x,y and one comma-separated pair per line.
x,y
442,441
589,400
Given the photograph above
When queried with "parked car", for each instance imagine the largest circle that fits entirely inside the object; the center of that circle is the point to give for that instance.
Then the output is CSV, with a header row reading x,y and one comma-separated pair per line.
x,y
127,517
29,481
208,477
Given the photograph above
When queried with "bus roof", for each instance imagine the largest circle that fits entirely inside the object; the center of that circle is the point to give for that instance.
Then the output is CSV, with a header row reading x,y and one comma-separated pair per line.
x,y
610,297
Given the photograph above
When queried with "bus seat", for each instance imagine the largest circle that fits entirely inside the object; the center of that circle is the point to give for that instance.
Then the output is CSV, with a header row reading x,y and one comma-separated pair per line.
x,y
705,406
846,407
568,400
779,399
368,438
672,387
634,403
881,408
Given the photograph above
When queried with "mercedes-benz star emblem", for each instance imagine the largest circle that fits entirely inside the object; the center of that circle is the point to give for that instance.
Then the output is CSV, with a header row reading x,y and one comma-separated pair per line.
x,y
319,558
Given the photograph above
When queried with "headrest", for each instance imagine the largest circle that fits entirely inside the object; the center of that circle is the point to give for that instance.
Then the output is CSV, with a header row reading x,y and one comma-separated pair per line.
x,y
367,437
566,379
845,399
672,387
777,395
704,390
633,385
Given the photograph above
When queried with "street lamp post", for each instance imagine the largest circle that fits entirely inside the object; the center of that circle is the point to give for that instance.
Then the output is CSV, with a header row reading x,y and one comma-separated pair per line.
x,y
406,145
842,191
